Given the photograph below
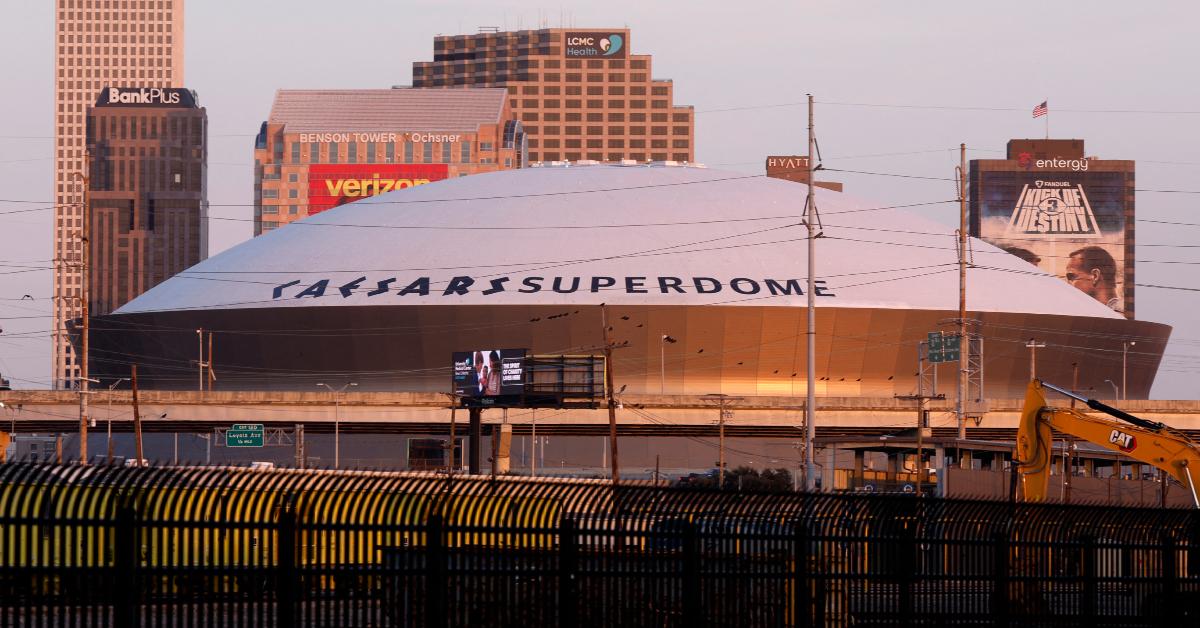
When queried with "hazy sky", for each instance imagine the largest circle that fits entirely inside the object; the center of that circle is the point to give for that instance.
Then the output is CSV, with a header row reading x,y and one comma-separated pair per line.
x,y
732,61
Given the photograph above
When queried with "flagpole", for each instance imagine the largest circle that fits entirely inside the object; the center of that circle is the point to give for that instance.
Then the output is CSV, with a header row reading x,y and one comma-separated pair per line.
x,y
1047,101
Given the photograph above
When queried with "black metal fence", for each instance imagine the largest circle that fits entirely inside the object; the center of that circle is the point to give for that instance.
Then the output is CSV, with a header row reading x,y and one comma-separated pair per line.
x,y
110,546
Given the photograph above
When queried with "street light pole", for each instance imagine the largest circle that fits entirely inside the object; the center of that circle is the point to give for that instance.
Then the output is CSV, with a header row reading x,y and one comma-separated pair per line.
x,y
110,394
1033,345
1124,368
1116,391
662,361
662,365
337,436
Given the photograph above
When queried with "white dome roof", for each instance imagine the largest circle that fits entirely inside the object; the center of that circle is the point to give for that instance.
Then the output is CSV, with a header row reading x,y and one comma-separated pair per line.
x,y
703,237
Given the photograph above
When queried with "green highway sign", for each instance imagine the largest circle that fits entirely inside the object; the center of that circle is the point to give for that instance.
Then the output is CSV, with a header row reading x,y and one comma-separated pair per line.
x,y
244,435
943,348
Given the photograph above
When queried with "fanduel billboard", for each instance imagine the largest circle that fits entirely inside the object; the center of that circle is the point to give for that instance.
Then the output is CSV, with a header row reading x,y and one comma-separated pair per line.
x,y
330,185
596,44
146,97
1070,222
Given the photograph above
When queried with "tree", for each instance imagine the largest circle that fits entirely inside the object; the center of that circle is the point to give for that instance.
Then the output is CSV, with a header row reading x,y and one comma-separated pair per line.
x,y
744,478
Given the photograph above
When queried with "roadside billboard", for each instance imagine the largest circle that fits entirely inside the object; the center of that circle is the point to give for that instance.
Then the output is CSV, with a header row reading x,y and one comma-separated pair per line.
x,y
489,372
1070,223
330,185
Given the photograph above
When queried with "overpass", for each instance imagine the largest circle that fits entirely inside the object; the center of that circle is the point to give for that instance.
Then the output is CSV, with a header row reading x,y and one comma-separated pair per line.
x,y
26,411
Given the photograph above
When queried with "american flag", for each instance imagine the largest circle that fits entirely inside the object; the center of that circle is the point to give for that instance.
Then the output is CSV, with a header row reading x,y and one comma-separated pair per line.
x,y
1041,109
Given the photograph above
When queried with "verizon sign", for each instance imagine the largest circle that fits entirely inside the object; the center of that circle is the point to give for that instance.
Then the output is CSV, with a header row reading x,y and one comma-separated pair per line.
x,y
146,97
330,185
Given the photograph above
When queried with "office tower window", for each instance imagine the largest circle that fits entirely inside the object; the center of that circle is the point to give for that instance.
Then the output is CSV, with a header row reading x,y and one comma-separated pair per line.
x,y
446,152
465,155
391,152
371,152
314,153
408,152
352,153
334,149
427,152
295,152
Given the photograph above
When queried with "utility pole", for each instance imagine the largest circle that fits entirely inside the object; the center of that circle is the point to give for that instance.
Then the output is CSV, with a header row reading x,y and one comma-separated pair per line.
x,y
450,466
611,398
1033,345
84,298
723,402
922,400
810,221
137,418
964,349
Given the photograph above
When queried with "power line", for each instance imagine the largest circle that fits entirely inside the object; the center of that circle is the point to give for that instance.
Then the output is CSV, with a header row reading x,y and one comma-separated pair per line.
x,y
888,174
1021,109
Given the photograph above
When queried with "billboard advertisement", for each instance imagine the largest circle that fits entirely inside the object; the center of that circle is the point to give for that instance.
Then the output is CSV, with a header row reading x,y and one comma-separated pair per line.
x,y
330,185
1072,224
601,44
489,372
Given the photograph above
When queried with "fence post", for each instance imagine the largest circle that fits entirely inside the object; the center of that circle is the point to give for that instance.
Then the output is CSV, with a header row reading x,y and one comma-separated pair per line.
x,y
435,573
125,565
568,566
1170,575
286,581
907,574
1000,595
1088,603
802,606
693,614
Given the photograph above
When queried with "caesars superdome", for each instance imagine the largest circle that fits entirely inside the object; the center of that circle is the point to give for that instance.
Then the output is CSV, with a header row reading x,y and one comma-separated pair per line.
x,y
703,273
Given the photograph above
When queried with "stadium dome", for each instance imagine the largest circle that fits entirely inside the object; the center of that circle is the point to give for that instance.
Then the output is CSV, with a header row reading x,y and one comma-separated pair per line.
x,y
387,287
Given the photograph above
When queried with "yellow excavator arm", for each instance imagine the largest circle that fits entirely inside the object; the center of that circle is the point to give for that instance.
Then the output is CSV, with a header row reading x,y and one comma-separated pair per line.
x,y
1146,441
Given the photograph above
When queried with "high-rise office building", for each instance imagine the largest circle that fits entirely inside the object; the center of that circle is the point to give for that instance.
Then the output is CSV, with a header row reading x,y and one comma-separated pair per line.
x,y
148,163
322,148
98,43
581,94
1069,214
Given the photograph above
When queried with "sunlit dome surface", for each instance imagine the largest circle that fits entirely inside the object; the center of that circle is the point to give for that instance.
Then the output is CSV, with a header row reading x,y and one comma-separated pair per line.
x,y
623,235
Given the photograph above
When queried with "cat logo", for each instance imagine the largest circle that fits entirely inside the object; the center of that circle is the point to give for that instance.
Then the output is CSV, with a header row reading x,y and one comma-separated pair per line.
x,y
1053,208
1124,442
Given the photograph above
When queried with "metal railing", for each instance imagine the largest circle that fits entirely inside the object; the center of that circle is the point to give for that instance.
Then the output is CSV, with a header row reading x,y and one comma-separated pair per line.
x,y
113,546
